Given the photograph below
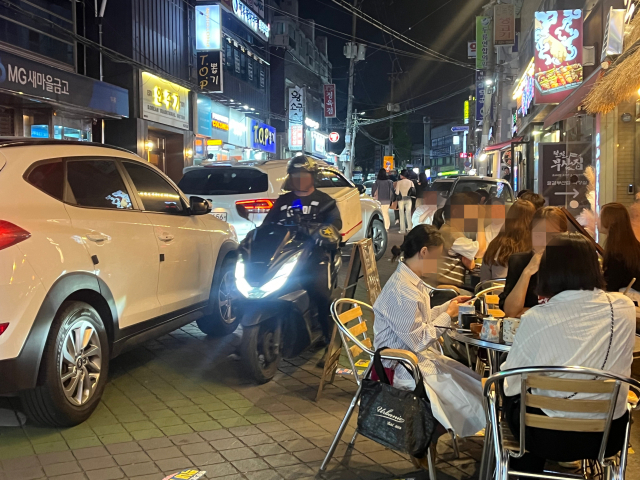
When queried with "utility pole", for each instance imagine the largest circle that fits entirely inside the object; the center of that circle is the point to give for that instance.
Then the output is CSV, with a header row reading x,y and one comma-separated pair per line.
x,y
349,132
391,119
426,138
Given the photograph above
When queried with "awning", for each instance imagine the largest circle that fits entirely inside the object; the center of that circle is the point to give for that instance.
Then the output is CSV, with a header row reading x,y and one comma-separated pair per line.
x,y
500,146
570,105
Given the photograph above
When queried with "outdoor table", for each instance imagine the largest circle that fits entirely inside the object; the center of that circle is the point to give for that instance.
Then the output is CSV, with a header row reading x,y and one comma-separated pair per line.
x,y
493,349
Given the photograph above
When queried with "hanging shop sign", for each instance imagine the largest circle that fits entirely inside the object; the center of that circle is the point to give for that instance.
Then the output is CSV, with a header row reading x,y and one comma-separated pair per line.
x,y
504,16
261,136
525,90
251,20
208,27
295,118
164,102
558,54
210,71
613,41
564,183
316,143
471,49
480,94
31,78
484,42
330,101
465,115
334,137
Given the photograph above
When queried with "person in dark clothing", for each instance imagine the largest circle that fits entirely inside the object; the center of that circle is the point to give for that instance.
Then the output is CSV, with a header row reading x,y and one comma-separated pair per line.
x,y
312,205
522,276
622,251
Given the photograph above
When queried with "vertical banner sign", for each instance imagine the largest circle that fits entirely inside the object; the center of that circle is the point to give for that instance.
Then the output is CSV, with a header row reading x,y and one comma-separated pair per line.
x,y
504,16
208,27
466,112
564,183
471,49
296,118
480,95
597,192
558,54
330,101
484,42
210,71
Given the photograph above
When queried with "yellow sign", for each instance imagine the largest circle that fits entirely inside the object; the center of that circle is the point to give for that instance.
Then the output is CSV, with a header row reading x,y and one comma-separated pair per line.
x,y
214,143
466,112
388,163
164,102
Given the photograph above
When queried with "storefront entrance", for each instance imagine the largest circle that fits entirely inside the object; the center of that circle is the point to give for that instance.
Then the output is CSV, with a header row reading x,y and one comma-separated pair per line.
x,y
157,150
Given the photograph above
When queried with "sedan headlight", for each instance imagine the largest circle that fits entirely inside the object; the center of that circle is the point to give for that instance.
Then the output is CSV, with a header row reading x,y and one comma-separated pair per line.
x,y
273,285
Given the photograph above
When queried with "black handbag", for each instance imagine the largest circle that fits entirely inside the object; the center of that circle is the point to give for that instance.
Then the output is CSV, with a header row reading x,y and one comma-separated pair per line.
x,y
398,419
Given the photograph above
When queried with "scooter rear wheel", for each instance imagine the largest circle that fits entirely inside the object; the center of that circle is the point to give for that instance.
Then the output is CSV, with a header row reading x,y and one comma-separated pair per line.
x,y
261,349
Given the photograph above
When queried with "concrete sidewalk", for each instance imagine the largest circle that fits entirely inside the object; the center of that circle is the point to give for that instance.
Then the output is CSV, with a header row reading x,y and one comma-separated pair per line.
x,y
184,401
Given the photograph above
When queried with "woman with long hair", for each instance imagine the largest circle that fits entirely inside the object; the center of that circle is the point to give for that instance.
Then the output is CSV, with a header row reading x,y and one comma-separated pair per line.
x,y
515,238
622,249
405,319
382,190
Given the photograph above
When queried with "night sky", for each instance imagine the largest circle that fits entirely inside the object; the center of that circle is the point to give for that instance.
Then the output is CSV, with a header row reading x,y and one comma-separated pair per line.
x,y
443,25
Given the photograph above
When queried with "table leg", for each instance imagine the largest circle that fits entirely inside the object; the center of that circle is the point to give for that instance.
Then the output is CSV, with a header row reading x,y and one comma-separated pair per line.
x,y
494,360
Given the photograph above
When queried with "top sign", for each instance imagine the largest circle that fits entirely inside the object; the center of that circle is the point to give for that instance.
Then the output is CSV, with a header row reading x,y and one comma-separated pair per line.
x,y
558,55
164,102
461,128
504,24
208,27
250,19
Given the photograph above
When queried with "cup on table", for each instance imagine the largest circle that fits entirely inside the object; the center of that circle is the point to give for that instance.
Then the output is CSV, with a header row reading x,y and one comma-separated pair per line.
x,y
491,330
509,329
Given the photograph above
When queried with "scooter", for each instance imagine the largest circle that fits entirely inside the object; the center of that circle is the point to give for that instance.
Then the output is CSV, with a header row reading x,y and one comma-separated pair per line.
x,y
279,316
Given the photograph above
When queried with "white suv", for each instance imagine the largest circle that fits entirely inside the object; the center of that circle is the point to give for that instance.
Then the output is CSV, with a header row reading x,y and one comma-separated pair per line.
x,y
98,251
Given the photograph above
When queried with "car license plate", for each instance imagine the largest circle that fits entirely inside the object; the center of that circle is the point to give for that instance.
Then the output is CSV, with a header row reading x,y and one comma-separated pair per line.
x,y
220,215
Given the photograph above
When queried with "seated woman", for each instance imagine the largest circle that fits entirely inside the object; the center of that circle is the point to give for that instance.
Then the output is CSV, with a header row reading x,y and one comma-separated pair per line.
x,y
516,238
579,325
404,319
520,288
621,252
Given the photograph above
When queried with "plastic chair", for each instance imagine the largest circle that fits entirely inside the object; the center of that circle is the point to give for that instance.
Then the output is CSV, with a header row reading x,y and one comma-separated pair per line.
x,y
350,334
505,445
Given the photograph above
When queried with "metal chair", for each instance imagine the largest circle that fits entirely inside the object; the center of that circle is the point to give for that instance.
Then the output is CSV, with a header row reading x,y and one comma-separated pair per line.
x,y
505,445
481,286
363,345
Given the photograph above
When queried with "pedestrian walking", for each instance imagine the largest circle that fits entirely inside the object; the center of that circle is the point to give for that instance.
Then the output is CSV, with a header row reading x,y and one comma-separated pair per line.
x,y
382,190
404,190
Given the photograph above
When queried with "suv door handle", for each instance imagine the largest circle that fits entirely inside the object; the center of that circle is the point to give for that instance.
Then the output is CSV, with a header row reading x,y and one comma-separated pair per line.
x,y
165,237
97,237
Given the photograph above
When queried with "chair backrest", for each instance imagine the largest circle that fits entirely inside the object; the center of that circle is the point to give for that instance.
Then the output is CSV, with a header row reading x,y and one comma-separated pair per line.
x,y
348,314
495,284
592,381
490,300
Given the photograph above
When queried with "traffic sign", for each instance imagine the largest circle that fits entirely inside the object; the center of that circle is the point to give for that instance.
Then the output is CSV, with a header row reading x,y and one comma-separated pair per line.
x,y
334,137
461,128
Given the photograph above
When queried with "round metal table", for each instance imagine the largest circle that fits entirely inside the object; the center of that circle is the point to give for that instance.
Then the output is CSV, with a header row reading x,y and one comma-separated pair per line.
x,y
493,349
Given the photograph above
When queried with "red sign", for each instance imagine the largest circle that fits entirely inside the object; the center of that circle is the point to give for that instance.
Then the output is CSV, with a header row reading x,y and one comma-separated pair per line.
x,y
558,55
334,137
330,101
504,16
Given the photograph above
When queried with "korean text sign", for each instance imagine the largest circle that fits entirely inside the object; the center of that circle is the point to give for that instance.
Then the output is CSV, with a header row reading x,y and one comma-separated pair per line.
x,y
558,54
330,101
164,102
480,94
504,24
210,71
295,116
484,42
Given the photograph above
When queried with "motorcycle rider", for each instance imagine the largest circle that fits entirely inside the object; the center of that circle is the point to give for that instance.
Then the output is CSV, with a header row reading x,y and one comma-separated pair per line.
x,y
313,205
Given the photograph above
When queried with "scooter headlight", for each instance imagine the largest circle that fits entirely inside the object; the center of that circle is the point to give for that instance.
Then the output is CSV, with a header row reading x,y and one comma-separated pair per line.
x,y
273,285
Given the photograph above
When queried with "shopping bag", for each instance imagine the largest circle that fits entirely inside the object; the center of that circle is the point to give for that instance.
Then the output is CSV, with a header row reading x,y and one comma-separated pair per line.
x,y
398,419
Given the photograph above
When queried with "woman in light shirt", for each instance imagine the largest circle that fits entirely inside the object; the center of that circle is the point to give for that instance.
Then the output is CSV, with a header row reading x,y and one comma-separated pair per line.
x,y
578,324
403,189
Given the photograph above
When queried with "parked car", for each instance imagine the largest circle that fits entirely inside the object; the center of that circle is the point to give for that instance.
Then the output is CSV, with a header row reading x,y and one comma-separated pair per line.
x,y
257,185
368,185
98,251
495,187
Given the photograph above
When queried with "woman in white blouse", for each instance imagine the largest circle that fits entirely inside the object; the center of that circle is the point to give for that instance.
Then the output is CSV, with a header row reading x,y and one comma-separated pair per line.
x,y
578,324
404,319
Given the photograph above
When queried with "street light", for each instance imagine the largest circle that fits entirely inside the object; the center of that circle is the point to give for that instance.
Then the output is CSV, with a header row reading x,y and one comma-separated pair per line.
x,y
482,157
488,82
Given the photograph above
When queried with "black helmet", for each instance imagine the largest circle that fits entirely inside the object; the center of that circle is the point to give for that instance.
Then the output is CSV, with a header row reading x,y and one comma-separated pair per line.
x,y
302,163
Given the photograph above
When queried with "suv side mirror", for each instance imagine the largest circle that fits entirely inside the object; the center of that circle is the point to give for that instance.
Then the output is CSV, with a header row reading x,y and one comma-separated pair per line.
x,y
361,188
198,206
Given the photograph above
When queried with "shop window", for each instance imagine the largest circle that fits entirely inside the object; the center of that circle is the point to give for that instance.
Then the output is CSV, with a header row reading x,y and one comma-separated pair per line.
x,y
156,193
236,61
243,65
96,183
228,56
48,177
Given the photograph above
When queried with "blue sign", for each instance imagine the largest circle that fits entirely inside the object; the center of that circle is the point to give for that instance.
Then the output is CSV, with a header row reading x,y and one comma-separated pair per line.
x,y
262,136
480,89
204,116
464,128
207,27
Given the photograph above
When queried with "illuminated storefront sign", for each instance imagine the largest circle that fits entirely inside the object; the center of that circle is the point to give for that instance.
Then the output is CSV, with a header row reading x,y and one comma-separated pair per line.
x,y
262,136
208,27
203,105
164,102
525,90
484,42
558,55
480,93
250,19
466,112
219,122
237,128
296,118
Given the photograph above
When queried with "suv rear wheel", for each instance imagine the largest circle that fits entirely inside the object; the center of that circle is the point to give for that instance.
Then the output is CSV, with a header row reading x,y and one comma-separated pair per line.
x,y
378,235
223,319
74,368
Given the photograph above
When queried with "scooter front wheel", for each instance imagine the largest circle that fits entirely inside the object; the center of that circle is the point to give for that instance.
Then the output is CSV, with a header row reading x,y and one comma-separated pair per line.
x,y
261,349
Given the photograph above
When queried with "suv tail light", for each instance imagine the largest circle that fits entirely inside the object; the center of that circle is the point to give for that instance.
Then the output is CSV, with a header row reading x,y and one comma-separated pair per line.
x,y
3,327
11,234
262,205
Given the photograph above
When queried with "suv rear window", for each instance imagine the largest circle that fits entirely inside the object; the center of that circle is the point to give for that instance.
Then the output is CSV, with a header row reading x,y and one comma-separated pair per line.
x,y
224,181
494,189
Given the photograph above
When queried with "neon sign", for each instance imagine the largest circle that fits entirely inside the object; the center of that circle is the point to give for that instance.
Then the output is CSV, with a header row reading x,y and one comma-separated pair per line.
x,y
250,19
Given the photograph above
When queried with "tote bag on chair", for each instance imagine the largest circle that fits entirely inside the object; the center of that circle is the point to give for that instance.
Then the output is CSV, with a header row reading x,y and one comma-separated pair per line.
x,y
398,419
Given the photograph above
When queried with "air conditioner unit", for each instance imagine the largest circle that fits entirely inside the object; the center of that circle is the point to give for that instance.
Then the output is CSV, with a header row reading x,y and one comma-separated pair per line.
x,y
280,40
